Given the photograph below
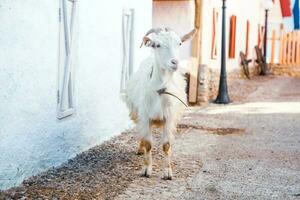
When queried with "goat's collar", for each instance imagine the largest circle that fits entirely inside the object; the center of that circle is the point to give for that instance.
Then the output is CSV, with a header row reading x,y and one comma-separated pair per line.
x,y
164,91
161,91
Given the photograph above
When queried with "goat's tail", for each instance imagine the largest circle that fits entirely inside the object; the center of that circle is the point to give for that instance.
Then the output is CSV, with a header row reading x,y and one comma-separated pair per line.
x,y
129,104
133,116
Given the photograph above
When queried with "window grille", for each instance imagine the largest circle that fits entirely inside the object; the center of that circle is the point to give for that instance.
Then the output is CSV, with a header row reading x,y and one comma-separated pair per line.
x,y
215,33
127,60
65,92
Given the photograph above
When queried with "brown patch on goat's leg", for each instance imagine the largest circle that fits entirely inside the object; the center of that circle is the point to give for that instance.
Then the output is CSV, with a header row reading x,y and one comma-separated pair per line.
x,y
147,146
166,148
168,169
141,148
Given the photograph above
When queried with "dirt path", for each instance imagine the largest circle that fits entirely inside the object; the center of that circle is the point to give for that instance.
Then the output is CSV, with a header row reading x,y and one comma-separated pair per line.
x,y
246,150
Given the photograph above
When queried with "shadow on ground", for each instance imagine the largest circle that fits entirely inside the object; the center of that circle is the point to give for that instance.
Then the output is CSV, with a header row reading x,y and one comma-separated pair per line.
x,y
103,171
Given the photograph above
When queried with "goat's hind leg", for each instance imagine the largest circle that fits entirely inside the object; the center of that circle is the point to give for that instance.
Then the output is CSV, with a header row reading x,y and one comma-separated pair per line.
x,y
146,146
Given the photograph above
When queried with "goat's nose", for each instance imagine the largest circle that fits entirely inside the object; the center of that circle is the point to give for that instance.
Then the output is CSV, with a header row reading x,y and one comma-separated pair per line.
x,y
174,61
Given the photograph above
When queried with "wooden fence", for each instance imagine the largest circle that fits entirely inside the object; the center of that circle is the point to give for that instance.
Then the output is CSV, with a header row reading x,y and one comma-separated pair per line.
x,y
289,48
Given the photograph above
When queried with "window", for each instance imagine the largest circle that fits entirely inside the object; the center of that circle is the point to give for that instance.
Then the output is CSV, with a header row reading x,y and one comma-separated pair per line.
x,y
232,36
215,33
65,92
127,60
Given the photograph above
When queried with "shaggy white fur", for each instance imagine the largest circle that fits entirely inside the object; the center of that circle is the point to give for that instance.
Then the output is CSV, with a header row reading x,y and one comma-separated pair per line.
x,y
146,104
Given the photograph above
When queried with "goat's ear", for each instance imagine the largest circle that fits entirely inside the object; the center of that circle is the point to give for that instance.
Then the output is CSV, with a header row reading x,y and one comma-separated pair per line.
x,y
147,42
189,35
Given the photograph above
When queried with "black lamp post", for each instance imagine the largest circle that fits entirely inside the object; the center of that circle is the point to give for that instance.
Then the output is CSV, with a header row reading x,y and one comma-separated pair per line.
x,y
266,34
223,97
268,4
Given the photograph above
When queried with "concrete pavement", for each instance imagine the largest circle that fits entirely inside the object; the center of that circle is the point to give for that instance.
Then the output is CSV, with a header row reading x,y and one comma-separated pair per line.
x,y
249,149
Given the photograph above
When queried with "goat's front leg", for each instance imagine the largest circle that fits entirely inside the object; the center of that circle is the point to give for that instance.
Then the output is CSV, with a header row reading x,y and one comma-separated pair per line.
x,y
169,128
140,150
146,146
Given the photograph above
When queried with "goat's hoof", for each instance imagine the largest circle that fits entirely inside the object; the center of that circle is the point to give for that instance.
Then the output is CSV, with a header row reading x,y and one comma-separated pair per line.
x,y
139,153
146,172
167,178
168,175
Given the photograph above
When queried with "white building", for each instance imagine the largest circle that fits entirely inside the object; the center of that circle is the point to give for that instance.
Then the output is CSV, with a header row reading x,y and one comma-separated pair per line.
x,y
245,21
33,65
249,17
32,139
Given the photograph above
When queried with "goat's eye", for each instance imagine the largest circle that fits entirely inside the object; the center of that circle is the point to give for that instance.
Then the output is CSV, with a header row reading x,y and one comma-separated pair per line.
x,y
157,46
180,43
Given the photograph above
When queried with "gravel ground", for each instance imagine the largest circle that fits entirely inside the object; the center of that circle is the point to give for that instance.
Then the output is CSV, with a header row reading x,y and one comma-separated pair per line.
x,y
246,150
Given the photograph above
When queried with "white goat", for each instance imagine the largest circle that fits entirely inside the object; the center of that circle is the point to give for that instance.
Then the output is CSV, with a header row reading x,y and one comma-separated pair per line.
x,y
149,93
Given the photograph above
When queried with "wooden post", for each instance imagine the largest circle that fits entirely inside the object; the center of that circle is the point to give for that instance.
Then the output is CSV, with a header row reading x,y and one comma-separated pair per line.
x,y
273,46
281,49
284,46
281,43
298,47
290,47
296,41
196,52
232,37
293,48
247,37
258,36
288,54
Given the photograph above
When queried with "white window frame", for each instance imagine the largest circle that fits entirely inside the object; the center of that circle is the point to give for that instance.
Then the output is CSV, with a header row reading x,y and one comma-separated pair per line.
x,y
127,44
65,92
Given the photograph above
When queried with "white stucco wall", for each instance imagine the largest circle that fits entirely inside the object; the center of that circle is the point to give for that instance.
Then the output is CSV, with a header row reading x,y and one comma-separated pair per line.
x,y
178,15
31,138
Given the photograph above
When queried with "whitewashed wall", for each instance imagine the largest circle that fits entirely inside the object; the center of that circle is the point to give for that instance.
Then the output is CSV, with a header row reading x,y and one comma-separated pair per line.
x,y
178,15
31,138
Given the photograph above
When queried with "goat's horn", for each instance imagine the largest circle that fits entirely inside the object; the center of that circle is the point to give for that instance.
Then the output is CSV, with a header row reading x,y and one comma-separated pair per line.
x,y
153,30
188,35
168,29
145,40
